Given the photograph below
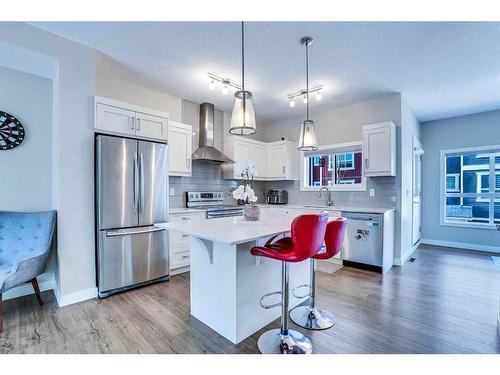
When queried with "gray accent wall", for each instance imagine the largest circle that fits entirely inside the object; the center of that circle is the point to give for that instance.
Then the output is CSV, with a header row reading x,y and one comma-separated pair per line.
x,y
482,129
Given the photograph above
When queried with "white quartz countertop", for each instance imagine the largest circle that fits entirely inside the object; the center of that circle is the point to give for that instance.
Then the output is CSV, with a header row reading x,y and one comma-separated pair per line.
x,y
358,209
305,207
233,230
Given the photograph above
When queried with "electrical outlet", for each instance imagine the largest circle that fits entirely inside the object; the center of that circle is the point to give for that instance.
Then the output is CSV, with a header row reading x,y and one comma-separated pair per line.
x,y
172,191
372,192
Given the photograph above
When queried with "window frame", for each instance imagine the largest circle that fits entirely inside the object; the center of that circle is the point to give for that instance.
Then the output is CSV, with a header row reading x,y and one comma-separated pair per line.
x,y
333,148
353,162
491,196
457,182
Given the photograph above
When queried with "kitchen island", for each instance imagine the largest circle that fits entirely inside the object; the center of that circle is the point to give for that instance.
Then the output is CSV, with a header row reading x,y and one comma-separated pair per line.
x,y
227,282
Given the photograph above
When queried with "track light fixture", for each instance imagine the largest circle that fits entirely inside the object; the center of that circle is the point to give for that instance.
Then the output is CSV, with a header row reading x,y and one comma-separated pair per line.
x,y
303,93
225,82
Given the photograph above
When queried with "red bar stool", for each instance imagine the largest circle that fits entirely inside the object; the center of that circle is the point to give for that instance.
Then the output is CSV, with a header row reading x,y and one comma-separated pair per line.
x,y
311,316
307,233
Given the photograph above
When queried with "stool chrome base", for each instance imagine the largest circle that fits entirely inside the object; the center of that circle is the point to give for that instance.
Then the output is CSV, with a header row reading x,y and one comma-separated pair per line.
x,y
273,342
312,318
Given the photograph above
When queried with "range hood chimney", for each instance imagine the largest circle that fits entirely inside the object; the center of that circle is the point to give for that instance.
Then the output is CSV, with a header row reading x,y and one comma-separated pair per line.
x,y
207,151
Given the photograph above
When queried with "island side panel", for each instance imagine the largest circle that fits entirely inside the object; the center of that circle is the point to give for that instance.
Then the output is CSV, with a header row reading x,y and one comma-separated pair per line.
x,y
254,280
213,286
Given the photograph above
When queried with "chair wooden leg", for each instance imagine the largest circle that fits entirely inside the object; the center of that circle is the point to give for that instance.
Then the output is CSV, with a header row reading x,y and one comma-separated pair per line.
x,y
34,282
1,314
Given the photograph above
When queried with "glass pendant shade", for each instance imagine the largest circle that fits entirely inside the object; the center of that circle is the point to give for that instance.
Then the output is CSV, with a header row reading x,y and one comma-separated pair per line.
x,y
243,116
307,138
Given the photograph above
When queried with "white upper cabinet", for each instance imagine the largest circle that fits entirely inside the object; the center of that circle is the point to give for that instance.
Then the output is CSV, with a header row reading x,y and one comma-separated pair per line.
x,y
379,149
115,119
119,118
150,126
283,160
180,148
273,161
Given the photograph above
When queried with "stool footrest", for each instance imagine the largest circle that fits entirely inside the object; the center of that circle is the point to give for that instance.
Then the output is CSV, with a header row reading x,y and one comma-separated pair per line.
x,y
302,296
272,305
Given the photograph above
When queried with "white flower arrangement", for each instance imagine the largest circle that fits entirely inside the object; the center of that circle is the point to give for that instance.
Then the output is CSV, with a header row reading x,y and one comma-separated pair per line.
x,y
245,191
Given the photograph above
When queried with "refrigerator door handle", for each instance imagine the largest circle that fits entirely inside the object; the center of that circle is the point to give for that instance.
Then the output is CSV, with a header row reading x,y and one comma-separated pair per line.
x,y
125,232
141,187
136,184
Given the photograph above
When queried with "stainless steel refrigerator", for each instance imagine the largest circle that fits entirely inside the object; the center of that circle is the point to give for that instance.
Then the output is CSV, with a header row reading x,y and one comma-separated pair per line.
x,y
131,196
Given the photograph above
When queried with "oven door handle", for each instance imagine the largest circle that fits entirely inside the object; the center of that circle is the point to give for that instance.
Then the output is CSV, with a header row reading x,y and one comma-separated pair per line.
x,y
213,216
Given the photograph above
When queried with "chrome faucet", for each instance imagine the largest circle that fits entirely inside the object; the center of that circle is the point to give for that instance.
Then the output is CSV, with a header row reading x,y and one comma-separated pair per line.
x,y
329,201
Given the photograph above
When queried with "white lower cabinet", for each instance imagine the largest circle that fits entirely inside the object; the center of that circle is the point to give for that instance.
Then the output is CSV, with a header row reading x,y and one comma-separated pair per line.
x,y
179,243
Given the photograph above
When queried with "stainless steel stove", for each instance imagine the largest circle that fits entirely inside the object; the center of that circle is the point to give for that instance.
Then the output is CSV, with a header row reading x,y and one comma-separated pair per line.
x,y
213,202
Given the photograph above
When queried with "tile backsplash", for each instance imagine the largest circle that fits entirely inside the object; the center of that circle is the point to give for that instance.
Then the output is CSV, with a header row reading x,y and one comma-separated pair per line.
x,y
385,193
206,177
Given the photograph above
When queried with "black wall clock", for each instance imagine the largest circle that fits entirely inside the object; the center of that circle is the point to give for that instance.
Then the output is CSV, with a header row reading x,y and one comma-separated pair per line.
x,y
11,131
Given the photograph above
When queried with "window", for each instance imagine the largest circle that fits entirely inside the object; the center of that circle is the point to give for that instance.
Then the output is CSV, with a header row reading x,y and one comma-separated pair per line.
x,y
453,183
339,167
471,187
344,161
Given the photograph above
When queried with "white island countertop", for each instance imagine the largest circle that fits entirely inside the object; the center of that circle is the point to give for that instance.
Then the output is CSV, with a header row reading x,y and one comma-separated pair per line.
x,y
314,207
233,230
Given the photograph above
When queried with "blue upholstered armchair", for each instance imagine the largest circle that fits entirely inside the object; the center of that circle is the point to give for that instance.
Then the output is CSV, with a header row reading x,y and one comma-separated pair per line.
x,y
25,243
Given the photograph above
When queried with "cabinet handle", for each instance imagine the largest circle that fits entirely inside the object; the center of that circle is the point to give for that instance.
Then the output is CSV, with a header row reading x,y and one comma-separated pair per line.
x,y
367,163
186,218
132,123
185,257
283,170
185,235
188,163
138,124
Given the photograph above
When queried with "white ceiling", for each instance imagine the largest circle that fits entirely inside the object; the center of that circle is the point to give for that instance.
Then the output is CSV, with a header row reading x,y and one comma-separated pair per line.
x,y
443,69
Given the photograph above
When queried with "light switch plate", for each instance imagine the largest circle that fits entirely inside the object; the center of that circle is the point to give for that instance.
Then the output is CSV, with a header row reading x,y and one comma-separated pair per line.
x,y
172,191
372,192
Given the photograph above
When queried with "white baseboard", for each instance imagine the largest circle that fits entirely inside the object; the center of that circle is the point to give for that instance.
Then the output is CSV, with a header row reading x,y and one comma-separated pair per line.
x,y
462,245
177,271
71,298
405,257
45,282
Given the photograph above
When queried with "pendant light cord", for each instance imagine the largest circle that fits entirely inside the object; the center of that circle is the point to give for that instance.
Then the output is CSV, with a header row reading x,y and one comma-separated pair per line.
x,y
307,80
243,73
242,57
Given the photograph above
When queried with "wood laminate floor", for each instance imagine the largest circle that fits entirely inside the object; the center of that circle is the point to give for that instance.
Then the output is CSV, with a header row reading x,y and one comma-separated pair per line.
x,y
445,301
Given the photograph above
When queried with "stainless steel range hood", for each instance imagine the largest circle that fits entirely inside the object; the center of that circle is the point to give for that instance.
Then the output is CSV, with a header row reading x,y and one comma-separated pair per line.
x,y
207,151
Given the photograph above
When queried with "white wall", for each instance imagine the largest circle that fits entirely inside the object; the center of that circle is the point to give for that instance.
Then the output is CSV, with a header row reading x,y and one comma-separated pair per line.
x,y
73,178
482,129
410,128
27,169
117,82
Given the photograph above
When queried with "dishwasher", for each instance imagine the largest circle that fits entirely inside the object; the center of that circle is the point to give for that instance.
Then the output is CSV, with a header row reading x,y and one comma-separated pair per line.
x,y
363,243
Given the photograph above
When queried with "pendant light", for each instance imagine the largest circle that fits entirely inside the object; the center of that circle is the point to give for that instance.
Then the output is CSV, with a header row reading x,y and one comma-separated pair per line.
x,y
243,116
307,138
